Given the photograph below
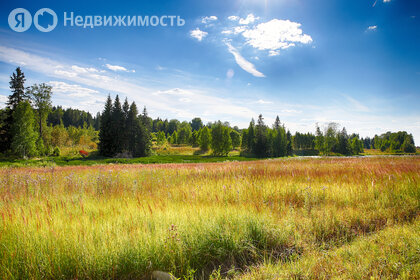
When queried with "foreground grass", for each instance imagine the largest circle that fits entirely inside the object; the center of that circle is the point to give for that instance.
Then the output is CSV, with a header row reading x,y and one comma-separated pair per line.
x,y
256,219
393,253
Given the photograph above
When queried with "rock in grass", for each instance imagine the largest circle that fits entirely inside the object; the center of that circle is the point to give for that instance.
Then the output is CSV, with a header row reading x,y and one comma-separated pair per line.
x,y
160,275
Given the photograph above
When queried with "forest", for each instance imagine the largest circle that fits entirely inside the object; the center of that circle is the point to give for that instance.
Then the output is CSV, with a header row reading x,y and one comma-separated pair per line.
x,y
30,126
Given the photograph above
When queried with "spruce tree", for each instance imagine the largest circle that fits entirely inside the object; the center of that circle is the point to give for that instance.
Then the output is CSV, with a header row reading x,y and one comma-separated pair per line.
x,y
117,126
105,133
17,86
261,143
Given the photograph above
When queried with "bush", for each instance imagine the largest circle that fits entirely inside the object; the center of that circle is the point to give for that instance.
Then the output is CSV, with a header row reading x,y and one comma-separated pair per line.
x,y
56,152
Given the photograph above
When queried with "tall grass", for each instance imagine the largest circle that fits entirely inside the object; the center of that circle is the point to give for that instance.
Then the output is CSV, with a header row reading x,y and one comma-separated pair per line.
x,y
125,221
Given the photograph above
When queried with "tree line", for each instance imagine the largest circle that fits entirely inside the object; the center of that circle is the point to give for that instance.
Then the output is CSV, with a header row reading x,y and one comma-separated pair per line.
x,y
30,125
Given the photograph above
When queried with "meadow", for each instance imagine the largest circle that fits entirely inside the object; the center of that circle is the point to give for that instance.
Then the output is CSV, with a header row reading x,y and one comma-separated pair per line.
x,y
299,218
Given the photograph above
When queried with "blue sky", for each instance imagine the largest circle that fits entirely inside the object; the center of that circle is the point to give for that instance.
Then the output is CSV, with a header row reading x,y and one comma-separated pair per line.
x,y
356,63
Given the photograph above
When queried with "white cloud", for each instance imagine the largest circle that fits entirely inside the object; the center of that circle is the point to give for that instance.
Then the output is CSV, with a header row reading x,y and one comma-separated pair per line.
x,y
356,105
230,73
273,53
372,27
117,68
243,63
275,35
387,1
83,70
3,100
72,90
261,101
198,34
209,19
249,19
233,18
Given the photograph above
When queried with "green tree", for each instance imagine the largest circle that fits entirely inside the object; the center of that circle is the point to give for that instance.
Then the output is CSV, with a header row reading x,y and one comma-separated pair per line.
x,y
280,139
24,135
138,135
184,133
261,138
17,87
221,143
105,132
236,138
319,140
205,138
41,99
196,124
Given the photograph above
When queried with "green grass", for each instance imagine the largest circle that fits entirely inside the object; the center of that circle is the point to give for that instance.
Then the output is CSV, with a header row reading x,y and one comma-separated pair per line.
x,y
95,160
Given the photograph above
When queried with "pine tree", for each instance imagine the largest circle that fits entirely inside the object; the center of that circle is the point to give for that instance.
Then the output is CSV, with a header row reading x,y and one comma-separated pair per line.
x,y
24,135
105,133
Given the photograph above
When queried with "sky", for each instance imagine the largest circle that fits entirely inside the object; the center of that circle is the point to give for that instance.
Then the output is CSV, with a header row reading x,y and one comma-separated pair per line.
x,y
356,63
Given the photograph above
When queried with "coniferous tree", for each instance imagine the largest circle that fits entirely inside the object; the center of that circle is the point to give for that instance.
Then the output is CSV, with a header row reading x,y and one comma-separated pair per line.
x,y
261,139
280,140
251,137
124,135
289,148
105,132
17,86
117,126
24,135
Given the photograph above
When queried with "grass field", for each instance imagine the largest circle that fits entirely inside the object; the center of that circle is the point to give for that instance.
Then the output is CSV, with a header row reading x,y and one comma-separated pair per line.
x,y
301,218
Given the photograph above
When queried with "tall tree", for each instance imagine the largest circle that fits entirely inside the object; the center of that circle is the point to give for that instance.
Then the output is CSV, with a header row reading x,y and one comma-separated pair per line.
x,y
24,135
17,86
41,99
261,138
105,132
205,138
221,143
117,126
196,124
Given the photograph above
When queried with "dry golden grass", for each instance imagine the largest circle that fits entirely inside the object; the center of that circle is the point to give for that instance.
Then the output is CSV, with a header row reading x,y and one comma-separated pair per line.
x,y
125,221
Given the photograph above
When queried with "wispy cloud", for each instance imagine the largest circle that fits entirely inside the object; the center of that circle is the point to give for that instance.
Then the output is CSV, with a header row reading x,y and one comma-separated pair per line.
x,y
198,34
372,28
243,63
117,68
261,101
